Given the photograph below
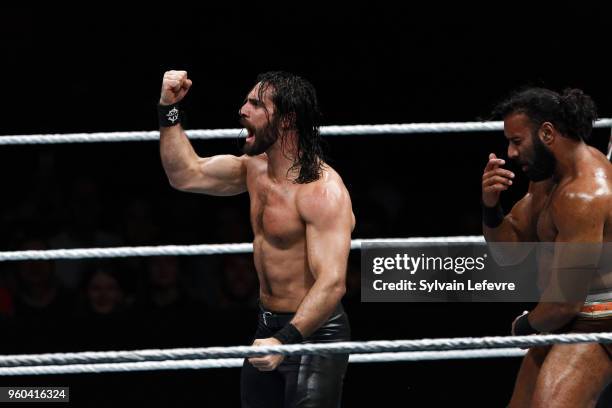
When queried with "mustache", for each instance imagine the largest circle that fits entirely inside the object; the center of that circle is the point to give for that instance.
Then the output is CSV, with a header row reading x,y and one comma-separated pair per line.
x,y
518,162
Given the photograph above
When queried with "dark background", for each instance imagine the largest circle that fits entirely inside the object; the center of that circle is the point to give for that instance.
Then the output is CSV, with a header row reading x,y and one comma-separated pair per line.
x,y
99,69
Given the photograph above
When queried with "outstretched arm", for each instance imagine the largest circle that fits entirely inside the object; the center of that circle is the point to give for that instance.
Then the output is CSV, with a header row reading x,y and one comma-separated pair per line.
x,y
217,175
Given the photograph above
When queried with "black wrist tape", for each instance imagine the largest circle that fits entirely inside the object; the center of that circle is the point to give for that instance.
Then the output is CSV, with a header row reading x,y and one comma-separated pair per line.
x,y
492,217
168,115
522,327
289,335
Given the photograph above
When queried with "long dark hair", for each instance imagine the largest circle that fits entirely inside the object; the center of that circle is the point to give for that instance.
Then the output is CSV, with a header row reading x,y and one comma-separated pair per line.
x,y
295,100
572,112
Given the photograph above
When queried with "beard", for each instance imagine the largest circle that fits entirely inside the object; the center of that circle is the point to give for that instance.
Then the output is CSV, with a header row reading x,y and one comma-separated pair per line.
x,y
542,165
262,138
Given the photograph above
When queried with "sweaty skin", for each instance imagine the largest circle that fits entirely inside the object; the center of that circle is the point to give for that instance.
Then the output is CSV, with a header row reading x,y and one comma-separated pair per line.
x,y
573,206
289,223
302,232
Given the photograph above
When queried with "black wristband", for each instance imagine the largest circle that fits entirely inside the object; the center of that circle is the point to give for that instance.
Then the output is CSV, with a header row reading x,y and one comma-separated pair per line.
x,y
168,115
289,335
492,217
522,327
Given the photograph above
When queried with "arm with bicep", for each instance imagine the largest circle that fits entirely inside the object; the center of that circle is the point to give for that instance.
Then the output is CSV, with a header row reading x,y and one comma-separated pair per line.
x,y
579,223
505,241
218,175
517,225
221,175
329,223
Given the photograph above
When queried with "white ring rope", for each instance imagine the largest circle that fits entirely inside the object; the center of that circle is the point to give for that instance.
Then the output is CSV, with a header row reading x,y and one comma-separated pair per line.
x,y
217,357
205,249
386,346
237,362
352,130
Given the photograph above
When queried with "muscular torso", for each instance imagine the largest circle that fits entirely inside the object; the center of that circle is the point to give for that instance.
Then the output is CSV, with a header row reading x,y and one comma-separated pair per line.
x,y
594,179
279,245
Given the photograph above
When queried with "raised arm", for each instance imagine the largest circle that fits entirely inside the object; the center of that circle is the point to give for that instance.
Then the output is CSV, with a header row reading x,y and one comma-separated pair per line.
x,y
328,216
517,225
218,175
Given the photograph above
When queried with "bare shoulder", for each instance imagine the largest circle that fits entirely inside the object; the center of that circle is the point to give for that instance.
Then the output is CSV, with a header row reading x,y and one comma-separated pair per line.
x,y
254,164
588,195
324,199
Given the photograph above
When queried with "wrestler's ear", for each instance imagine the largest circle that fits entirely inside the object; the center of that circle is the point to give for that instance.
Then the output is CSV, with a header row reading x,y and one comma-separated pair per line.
x,y
547,133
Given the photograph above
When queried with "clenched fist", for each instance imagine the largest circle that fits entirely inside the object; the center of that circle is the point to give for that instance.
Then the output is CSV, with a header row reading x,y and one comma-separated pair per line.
x,y
270,362
495,180
174,87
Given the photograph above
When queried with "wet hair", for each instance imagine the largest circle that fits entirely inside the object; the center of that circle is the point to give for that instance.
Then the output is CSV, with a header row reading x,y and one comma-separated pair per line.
x,y
295,100
572,112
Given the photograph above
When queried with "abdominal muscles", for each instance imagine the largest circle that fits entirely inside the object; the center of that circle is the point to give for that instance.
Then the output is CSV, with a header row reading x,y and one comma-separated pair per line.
x,y
283,272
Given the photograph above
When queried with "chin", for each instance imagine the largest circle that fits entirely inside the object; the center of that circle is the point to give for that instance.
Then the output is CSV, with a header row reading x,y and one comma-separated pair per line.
x,y
251,150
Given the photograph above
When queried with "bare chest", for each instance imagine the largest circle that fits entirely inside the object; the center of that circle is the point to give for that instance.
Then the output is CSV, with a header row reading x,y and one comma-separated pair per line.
x,y
274,214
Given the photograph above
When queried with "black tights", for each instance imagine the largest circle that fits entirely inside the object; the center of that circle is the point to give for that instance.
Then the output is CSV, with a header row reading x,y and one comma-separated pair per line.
x,y
305,381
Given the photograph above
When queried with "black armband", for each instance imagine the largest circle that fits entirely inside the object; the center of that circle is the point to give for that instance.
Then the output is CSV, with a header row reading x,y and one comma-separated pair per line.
x,y
492,217
289,335
522,327
168,115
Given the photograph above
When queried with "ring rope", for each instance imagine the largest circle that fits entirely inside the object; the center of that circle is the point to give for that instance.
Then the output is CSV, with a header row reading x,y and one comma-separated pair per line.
x,y
351,130
238,362
204,249
299,349
401,350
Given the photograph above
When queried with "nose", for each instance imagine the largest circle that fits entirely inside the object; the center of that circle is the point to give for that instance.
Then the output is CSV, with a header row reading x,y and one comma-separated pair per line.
x,y
512,152
242,112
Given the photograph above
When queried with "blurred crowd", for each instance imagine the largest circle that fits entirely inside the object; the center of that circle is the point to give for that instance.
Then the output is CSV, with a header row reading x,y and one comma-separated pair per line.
x,y
124,303
105,195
